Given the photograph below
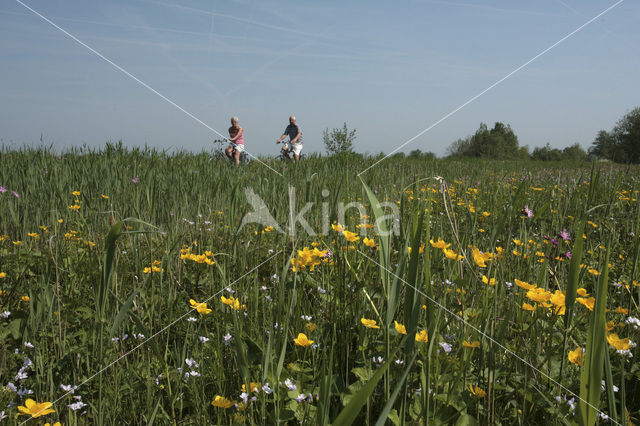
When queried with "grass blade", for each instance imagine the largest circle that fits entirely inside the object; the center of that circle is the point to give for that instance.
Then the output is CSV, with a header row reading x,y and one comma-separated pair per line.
x,y
350,412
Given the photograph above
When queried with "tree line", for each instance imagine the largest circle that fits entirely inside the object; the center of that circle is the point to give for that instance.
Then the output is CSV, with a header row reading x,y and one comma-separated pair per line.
x,y
621,144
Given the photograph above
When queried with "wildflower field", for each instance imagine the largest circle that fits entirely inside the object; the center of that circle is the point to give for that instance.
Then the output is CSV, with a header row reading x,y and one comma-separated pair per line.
x,y
136,289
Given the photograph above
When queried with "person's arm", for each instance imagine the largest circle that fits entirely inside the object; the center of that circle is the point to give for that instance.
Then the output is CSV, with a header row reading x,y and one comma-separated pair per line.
x,y
284,135
233,139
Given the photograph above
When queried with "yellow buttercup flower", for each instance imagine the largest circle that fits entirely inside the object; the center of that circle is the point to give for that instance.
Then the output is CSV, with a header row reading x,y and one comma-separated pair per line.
x,y
422,336
440,244
232,302
539,295
200,307
471,345
528,307
369,242
452,255
618,343
337,227
255,387
3,275
576,356
589,302
477,391
76,193
558,300
524,285
369,323
222,402
302,340
480,258
106,197
488,281
400,328
311,327
74,207
582,292
36,409
350,236
308,258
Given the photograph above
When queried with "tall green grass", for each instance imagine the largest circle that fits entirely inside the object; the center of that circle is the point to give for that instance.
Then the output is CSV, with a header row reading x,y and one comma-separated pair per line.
x,y
87,287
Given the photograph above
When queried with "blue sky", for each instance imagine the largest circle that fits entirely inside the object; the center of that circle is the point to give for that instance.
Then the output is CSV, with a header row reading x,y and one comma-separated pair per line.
x,y
389,69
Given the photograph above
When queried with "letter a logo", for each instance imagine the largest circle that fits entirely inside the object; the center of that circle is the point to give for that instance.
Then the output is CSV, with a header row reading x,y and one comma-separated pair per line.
x,y
260,213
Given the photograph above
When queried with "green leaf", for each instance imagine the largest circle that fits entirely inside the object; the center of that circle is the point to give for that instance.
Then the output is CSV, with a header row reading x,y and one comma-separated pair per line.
x,y
124,311
386,411
349,413
466,420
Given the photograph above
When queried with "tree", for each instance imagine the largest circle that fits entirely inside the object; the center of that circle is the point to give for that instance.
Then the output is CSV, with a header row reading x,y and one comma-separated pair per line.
x,y
622,144
499,143
574,153
459,147
627,136
546,153
339,140
570,153
604,146
418,154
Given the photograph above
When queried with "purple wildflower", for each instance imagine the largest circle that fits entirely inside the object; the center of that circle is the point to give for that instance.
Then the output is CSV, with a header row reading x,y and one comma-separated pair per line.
x,y
3,189
528,211
567,255
565,235
135,179
15,194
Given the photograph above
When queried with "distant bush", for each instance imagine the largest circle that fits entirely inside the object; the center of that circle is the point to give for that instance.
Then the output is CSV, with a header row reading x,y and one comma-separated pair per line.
x,y
498,143
339,140
417,154
570,153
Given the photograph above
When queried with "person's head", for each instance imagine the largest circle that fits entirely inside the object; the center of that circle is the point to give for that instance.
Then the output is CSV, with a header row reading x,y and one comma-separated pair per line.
x,y
292,120
234,121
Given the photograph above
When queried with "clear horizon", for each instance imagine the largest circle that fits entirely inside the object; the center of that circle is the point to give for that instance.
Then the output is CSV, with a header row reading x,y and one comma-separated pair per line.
x,y
389,72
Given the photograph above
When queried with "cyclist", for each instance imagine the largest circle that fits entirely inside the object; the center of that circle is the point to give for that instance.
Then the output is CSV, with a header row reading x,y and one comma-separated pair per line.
x,y
295,139
236,141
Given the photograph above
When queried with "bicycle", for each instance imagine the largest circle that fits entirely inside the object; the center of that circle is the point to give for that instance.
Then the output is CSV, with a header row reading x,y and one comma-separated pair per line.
x,y
220,152
284,157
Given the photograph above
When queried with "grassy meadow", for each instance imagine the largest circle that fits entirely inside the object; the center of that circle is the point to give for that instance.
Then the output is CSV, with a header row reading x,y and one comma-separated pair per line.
x,y
130,293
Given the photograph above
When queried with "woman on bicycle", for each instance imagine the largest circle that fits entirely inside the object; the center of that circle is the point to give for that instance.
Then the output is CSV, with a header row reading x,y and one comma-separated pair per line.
x,y
236,141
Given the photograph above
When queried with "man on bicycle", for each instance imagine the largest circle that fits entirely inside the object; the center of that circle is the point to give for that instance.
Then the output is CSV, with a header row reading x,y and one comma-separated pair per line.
x,y
236,141
295,140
